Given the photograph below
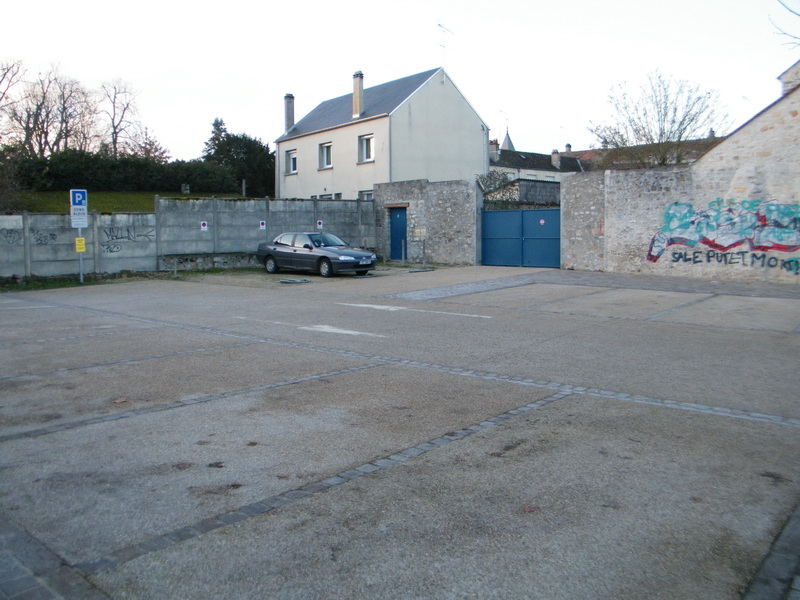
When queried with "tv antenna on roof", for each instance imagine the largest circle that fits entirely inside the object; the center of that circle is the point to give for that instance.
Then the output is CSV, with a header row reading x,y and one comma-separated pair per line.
x,y
444,30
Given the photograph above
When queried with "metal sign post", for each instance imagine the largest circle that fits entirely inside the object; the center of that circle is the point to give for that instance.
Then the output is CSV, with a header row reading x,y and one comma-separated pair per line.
x,y
79,211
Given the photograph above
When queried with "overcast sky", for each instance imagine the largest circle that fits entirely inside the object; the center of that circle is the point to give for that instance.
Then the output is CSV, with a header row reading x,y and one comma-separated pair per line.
x,y
542,68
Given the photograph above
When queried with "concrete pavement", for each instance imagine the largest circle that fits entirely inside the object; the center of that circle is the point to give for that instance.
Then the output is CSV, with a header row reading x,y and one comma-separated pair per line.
x,y
462,433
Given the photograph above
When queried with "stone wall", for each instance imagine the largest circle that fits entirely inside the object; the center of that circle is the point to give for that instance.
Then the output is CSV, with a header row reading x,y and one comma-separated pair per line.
x,y
733,214
583,222
759,161
650,221
443,219
635,204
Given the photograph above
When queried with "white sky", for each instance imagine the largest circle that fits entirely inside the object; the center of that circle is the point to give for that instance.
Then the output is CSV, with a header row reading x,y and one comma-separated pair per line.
x,y
542,68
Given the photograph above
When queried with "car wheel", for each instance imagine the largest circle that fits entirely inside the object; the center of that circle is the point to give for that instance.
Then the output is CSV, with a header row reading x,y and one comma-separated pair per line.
x,y
271,265
325,268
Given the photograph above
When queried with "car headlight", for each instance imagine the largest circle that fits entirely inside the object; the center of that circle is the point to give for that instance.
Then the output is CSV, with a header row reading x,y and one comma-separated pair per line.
x,y
374,256
347,258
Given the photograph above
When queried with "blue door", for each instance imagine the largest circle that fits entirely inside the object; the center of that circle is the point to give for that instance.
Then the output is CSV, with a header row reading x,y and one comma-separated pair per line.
x,y
522,238
397,234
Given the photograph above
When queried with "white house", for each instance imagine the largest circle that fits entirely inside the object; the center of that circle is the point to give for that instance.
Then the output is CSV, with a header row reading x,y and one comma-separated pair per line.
x,y
416,127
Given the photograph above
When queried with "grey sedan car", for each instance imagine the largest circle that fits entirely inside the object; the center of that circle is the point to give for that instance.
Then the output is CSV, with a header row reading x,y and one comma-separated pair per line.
x,y
314,251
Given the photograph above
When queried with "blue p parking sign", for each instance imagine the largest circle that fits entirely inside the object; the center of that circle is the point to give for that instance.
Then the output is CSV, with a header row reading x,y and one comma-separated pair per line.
x,y
79,208
78,197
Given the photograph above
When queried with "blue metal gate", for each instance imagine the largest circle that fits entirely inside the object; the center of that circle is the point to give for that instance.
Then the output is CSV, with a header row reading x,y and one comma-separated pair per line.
x,y
522,238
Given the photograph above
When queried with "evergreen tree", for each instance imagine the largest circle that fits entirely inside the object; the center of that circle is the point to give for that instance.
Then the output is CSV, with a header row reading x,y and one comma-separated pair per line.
x,y
218,133
248,158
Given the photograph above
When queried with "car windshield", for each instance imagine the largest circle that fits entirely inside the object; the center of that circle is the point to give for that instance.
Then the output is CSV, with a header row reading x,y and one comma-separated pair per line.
x,y
325,239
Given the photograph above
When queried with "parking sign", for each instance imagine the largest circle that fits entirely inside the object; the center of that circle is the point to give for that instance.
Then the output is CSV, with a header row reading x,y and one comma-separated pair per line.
x,y
79,208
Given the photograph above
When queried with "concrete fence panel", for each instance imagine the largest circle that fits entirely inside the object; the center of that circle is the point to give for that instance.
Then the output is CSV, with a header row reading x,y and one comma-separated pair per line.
x,y
180,234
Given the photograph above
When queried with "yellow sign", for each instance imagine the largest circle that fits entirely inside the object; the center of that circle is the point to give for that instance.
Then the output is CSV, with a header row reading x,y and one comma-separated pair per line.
x,y
80,244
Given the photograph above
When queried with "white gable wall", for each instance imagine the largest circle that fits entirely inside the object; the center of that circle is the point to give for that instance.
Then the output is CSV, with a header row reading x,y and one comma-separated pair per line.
x,y
436,135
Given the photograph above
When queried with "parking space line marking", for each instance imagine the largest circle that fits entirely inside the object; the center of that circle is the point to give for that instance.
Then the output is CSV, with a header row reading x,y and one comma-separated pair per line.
x,y
329,329
396,308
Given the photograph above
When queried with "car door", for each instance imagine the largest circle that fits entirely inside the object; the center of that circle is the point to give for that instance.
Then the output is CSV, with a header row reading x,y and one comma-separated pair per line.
x,y
303,257
283,250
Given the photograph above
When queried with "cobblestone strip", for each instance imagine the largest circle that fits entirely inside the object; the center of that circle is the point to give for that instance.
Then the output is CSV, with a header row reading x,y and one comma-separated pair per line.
x,y
652,319
377,360
30,571
461,289
778,578
177,536
497,283
570,389
69,338
128,361
177,404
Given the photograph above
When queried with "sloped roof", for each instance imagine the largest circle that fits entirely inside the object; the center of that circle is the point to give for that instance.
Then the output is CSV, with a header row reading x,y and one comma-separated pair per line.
x,y
640,156
530,160
379,100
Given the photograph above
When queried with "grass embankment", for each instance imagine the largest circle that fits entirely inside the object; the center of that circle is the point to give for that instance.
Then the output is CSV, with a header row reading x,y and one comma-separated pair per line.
x,y
102,202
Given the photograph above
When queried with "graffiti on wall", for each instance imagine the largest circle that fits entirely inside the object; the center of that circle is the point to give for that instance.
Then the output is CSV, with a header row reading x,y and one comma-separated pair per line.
x,y
115,238
42,238
734,233
12,237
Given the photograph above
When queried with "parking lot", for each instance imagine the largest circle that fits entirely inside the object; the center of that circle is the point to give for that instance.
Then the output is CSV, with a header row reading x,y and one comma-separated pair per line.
x,y
471,432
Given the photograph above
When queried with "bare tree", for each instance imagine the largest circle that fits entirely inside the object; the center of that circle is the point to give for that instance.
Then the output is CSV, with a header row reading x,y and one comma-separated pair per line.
x,y
33,117
652,126
11,73
119,108
496,185
53,113
76,112
794,40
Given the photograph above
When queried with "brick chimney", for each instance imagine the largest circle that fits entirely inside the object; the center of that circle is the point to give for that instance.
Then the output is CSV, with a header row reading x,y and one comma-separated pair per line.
x,y
494,150
358,94
288,111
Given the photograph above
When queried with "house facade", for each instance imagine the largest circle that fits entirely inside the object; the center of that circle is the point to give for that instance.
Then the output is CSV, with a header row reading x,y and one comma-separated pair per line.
x,y
418,127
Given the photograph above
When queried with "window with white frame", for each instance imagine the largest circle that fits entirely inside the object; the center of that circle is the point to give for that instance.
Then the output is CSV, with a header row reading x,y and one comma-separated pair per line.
x,y
326,155
366,148
291,162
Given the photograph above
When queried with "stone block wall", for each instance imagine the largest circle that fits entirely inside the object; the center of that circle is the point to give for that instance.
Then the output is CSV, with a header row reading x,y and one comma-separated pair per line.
x,y
635,204
733,214
655,221
443,219
583,222
759,161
